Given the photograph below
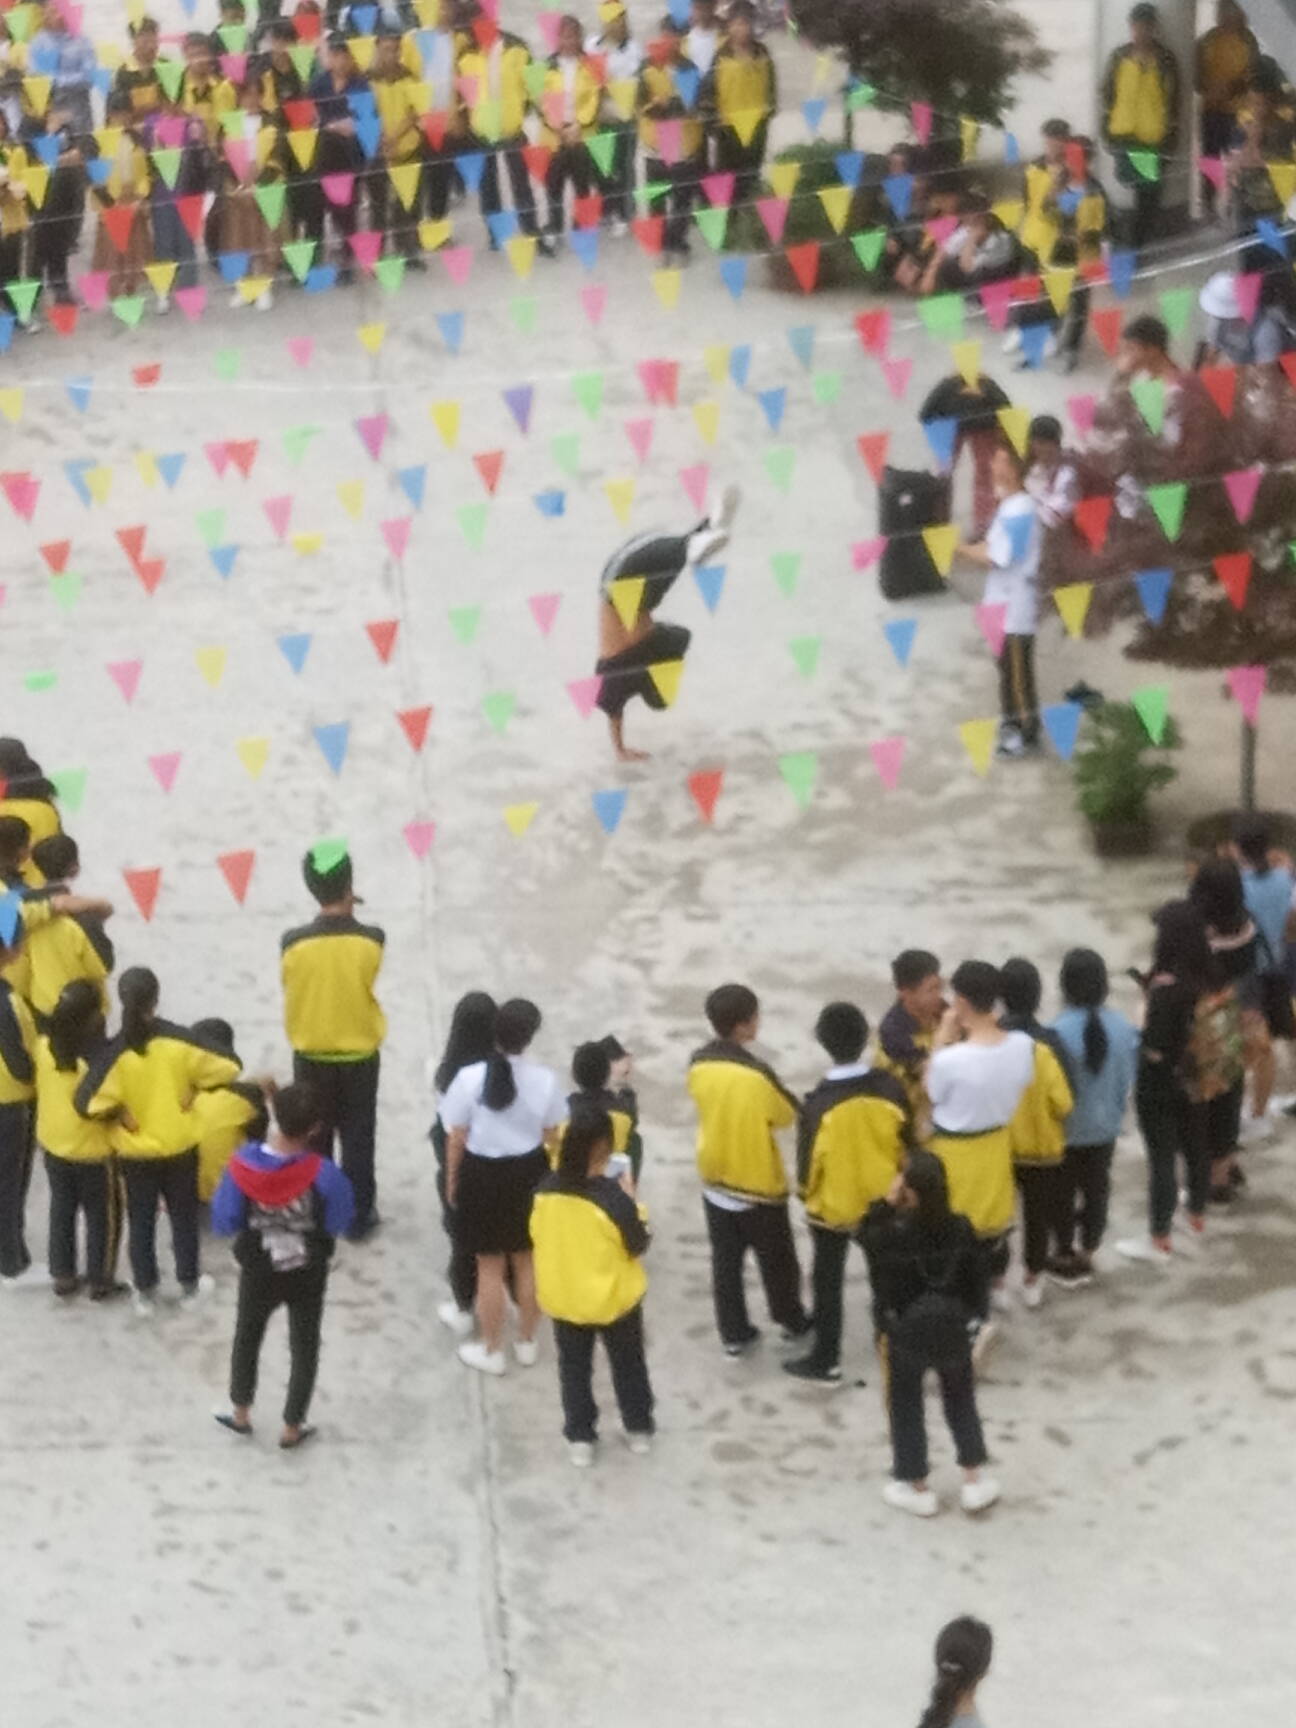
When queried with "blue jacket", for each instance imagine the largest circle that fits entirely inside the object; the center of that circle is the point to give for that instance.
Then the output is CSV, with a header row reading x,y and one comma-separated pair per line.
x,y
304,1193
1100,1098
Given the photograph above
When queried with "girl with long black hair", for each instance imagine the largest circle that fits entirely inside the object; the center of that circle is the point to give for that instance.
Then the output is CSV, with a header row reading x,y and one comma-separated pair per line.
x,y
1218,894
471,1039
963,1651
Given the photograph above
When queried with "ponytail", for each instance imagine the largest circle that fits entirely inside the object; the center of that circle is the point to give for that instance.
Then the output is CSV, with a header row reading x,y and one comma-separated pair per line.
x,y
75,1025
946,1693
499,1089
516,1025
1084,985
963,1651
137,990
590,1128
1096,1042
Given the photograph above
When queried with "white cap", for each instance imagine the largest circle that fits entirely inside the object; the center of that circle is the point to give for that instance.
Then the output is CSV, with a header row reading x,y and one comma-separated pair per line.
x,y
1219,297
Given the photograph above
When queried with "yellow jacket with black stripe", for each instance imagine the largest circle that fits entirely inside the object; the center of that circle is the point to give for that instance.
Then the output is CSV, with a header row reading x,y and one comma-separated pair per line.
x,y
17,1048
147,1095
42,819
740,1102
587,1243
1037,1132
396,99
224,1117
1141,99
62,949
495,87
34,911
329,969
850,1143
658,98
903,1047
60,1126
579,107
741,90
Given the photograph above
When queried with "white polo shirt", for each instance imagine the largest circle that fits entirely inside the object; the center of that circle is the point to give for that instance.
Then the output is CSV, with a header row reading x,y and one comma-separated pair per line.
x,y
975,1088
538,1108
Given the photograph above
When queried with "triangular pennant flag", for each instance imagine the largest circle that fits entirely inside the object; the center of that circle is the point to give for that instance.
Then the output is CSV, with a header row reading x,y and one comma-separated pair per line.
x,y
253,753
1242,487
544,609
565,449
967,361
164,768
382,633
144,886
413,483
992,622
414,724
299,256
804,260
1082,410
1154,591
779,465
519,818
1149,399
1247,685
713,225
805,652
1168,502
773,213
333,740
888,756
170,468
1220,383
620,495
900,633
451,325
873,447
131,541
787,568
941,542
1072,601
897,374
626,595
472,524
278,513
296,440
223,558
740,359
800,770
1015,423
609,807
464,621
941,435
390,273
710,579
1152,705
1092,518
56,553
978,738
666,677
593,297
705,786
584,692
371,338
733,273
868,247
695,480
1234,572
351,494
942,316
211,664
125,674
419,837
446,417
639,430
1247,288
396,532
1062,726
1107,322
773,405
295,649
706,417
552,503
519,402
489,465
236,868
587,387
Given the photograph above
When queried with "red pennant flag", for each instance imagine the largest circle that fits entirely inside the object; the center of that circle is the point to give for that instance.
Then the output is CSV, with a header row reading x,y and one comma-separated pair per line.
x,y
489,464
190,211
873,448
414,724
1288,364
309,26
1107,323
650,232
56,553
486,30
299,112
150,572
874,331
236,868
144,886
1092,516
587,212
704,787
131,541
242,453
1220,383
537,158
382,634
146,376
118,220
64,318
661,51
434,127
1234,572
804,260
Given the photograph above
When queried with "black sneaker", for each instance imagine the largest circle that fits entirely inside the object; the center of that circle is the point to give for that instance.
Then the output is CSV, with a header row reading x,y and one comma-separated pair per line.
x,y
743,1345
1069,1273
790,1334
806,1368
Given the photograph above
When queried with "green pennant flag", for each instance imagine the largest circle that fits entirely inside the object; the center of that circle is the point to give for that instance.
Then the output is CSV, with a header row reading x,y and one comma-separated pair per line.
x,y
779,464
232,122
1291,547
648,194
270,201
827,387
66,590
535,77
498,708
390,272
226,363
786,567
22,21
566,452
326,855
295,441
602,147
472,524
69,784
859,96
129,308
233,37
587,387
868,246
1149,399
1176,308
522,310
41,681
1152,705
211,527
800,769
23,294
805,651
464,621
713,224
299,254
167,163
303,58
1168,502
942,316
170,74
1145,163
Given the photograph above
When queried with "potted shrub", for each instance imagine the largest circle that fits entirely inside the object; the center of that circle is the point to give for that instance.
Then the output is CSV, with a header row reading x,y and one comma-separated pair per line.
x,y
1117,768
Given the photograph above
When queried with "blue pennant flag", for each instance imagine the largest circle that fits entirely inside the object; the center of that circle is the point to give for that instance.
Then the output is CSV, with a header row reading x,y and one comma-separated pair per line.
x,y
1120,272
681,11
470,166
814,108
10,914
451,326
740,360
362,104
233,265
368,131
584,242
99,169
518,400
320,278
1034,342
899,194
710,579
170,468
1273,236
1062,723
7,322
333,741
941,435
223,558
76,472
364,18
1154,591
850,165
774,405
900,633
733,273
47,148
1020,528
1068,200
609,807
551,503
413,483
687,80
78,394
1012,149
42,57
801,340
503,225
294,650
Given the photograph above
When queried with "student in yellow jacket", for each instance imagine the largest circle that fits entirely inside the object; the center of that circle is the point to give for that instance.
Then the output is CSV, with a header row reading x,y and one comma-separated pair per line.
x,y
15,215
335,1024
671,133
740,1104
396,182
908,1030
740,97
143,1083
26,793
228,1116
1044,176
569,107
850,1144
37,907
17,1047
78,1152
64,948
1038,1128
493,78
588,1237
1140,101
592,1072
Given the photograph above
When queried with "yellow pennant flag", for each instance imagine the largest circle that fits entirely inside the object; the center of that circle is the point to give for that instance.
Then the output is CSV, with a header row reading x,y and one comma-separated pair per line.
x,y
1015,423
783,177
253,287
445,417
146,462
37,92
406,177
823,69
1283,175
108,139
521,251
620,495
302,143
11,404
1011,212
36,180
941,542
362,51
433,235
109,55
371,336
160,277
253,754
427,12
623,92
626,595
1072,602
519,818
745,123
979,741
1058,285
420,90
99,483
706,417
969,133
716,361
135,11
666,676
211,663
351,497
967,361
305,545
666,284
836,201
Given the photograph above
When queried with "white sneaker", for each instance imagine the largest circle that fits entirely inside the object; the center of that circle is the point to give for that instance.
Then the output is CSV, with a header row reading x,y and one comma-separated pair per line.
x,y
1032,1294
30,1278
639,1444
458,1319
143,1305
1255,1130
527,1351
1144,1249
235,300
980,1495
1000,1300
163,305
920,1502
1013,340
476,1355
265,302
619,228
204,1287
581,1453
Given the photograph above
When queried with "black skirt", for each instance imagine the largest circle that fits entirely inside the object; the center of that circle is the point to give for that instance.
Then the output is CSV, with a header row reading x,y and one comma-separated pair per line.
x,y
493,1202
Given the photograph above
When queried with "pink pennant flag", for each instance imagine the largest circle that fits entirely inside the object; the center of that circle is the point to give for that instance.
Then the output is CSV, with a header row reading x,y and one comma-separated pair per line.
x,y
367,246
169,130
165,768
234,66
218,456
660,379
238,153
373,433
191,301
670,141
921,115
92,286
547,24
992,622
278,513
898,373
694,480
338,187
1242,487
458,261
396,532
1081,409
22,491
125,674
593,298
719,189
301,349
888,754
1248,289
941,227
419,837
773,212
1213,169
640,434
1247,683
867,552
997,298
544,609
584,692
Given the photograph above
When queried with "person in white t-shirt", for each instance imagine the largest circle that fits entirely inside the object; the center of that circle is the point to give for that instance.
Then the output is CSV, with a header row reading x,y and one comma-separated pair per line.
x,y
623,58
497,1115
705,35
1011,554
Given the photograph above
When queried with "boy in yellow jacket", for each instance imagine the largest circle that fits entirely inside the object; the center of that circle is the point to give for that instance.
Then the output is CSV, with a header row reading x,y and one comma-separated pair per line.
x,y
569,106
17,1076
493,75
1140,101
394,203
1038,1128
740,98
740,1104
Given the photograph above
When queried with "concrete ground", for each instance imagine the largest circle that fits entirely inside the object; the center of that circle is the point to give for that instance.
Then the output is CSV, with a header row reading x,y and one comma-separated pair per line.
x,y
434,1558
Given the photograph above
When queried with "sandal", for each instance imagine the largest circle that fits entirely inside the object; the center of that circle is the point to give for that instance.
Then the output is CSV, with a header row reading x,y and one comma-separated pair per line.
x,y
304,1433
228,1421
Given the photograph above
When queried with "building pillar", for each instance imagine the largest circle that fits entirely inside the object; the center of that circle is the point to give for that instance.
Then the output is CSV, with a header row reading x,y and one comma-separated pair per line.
x,y
1179,33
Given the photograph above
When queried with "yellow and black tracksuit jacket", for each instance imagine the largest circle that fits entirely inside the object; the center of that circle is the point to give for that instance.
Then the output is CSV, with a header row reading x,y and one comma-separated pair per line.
x,y
581,109
659,99
623,1110
396,98
850,1144
740,1102
147,1095
206,99
1037,1132
741,90
903,1047
140,86
40,815
279,84
496,87
15,218
131,175
1141,100
17,1048
1040,228
61,1129
587,1243
34,911
225,1118
61,950
979,1171
329,968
